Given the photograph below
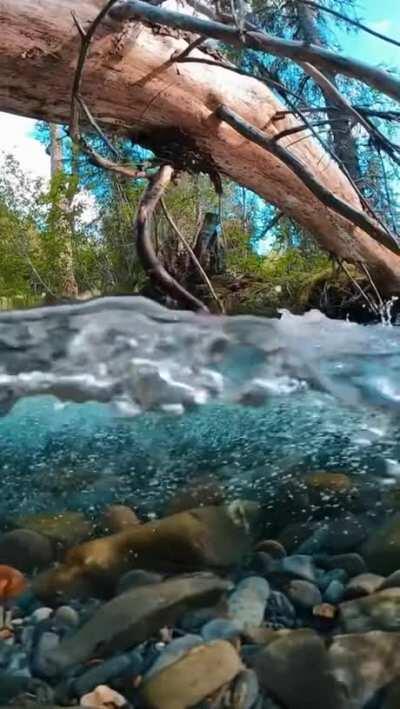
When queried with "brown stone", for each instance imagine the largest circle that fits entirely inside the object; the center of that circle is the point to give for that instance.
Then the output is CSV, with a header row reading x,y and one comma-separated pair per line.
x,y
200,492
364,664
379,611
295,671
325,611
26,550
199,673
363,585
116,518
210,537
65,529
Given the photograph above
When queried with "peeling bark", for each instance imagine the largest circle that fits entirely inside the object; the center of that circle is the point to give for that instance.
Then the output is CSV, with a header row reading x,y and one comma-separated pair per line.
x,y
140,92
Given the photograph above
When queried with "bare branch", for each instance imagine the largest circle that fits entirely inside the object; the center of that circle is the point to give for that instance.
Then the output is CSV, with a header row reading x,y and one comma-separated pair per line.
x,y
349,21
255,38
337,205
145,249
192,255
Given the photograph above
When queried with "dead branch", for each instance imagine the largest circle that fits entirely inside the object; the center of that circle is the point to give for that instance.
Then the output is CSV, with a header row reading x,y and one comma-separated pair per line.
x,y
255,38
192,255
148,257
320,191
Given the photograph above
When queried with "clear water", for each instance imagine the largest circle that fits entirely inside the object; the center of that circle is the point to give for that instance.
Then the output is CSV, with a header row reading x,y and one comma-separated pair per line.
x,y
120,400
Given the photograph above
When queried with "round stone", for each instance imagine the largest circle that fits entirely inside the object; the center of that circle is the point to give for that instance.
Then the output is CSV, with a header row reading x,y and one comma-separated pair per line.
x,y
25,550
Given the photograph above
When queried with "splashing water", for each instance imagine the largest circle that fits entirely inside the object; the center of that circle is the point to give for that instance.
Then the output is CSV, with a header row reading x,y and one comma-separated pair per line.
x,y
121,398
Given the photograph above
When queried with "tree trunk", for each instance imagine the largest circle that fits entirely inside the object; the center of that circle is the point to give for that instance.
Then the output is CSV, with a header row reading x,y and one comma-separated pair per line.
x,y
69,286
131,85
344,143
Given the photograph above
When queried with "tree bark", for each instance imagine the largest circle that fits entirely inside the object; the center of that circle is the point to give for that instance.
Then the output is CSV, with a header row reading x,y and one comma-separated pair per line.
x,y
133,86
68,285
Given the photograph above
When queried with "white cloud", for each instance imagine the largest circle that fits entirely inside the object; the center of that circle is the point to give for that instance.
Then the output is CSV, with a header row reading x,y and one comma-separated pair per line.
x,y
15,139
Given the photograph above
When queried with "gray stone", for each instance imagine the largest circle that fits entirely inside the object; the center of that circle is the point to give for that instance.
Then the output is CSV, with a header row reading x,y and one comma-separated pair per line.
x,y
379,611
363,585
245,690
246,605
334,593
41,664
135,616
280,612
125,664
11,686
137,577
220,629
304,594
25,550
336,536
173,652
299,566
66,617
40,614
325,578
352,563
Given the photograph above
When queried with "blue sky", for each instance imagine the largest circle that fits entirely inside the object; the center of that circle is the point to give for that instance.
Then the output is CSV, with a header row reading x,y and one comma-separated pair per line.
x,y
382,15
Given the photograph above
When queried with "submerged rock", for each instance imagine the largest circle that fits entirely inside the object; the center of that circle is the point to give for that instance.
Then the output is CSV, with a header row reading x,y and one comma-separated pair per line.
x,y
200,492
246,605
26,550
116,518
134,616
304,594
379,611
103,697
364,664
64,529
363,585
294,669
203,538
353,564
382,549
200,672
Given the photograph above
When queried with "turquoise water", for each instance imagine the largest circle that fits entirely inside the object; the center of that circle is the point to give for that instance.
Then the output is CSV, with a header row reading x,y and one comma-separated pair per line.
x,y
121,400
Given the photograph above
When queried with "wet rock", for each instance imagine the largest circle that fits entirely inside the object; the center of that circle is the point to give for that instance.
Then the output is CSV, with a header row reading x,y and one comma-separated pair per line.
x,y
245,690
299,566
326,577
116,518
272,547
199,673
392,695
103,697
173,652
26,550
352,563
203,538
392,581
134,616
304,594
334,593
246,605
200,492
137,577
41,662
364,664
65,618
379,611
280,612
221,629
336,536
11,686
40,614
326,489
64,529
363,585
382,549
295,671
123,665
293,535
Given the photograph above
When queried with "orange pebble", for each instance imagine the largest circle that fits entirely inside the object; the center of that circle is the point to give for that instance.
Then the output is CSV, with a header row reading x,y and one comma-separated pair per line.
x,y
12,582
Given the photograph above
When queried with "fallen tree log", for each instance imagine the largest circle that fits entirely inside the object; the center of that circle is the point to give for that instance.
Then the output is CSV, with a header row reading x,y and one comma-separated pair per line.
x,y
134,87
